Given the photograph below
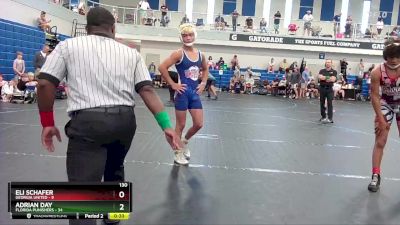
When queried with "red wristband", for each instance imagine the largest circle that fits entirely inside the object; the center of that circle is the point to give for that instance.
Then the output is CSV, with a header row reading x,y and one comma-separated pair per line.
x,y
47,119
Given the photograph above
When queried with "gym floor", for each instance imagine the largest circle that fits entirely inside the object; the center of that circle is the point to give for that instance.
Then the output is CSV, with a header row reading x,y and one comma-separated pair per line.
x,y
257,160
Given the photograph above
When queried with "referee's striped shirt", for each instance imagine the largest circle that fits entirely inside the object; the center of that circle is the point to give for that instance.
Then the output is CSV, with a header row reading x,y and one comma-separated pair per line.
x,y
99,71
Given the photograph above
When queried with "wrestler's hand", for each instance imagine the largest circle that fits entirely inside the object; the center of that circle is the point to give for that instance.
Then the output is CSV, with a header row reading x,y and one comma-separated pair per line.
x,y
381,126
173,139
47,137
200,88
180,88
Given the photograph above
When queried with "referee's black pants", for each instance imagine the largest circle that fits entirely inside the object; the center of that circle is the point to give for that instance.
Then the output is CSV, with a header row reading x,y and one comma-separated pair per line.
x,y
99,139
326,92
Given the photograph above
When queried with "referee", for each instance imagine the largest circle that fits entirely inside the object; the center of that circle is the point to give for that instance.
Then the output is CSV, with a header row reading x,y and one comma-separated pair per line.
x,y
327,77
102,75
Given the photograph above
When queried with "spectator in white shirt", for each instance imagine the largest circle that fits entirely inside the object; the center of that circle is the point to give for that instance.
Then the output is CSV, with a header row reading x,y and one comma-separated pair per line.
x,y
307,18
19,66
379,25
271,65
7,90
143,6
249,83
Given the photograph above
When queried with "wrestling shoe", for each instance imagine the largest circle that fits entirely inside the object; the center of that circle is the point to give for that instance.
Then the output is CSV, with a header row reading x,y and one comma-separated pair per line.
x,y
375,183
179,158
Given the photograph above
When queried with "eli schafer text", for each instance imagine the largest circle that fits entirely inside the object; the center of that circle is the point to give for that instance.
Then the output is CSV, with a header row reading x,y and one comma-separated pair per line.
x,y
34,194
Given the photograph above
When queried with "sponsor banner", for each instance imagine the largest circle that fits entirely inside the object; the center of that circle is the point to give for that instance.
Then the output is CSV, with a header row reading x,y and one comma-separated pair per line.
x,y
305,41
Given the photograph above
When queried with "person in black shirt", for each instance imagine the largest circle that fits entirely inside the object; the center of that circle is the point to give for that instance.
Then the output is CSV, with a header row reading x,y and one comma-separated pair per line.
x,y
249,24
235,16
327,77
221,63
277,20
164,18
343,69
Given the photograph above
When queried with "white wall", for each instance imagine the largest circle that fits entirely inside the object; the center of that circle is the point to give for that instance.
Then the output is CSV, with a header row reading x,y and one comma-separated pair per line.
x,y
338,6
355,10
259,9
218,7
295,9
395,12
374,12
317,9
27,11
277,6
126,3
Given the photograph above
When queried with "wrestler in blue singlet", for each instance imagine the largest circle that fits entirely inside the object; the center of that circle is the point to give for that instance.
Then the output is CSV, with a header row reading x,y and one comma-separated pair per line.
x,y
189,72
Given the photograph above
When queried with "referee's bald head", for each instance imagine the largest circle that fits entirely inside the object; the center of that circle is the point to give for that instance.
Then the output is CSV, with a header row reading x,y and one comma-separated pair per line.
x,y
100,21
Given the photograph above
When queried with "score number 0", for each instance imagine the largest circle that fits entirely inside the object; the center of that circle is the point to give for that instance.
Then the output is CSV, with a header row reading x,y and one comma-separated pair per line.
x,y
121,194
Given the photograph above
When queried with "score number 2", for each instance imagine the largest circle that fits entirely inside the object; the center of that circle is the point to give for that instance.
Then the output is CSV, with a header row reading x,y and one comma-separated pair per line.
x,y
121,194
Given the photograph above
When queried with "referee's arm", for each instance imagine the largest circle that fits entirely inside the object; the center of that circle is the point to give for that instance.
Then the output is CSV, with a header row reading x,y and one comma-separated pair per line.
x,y
143,86
52,72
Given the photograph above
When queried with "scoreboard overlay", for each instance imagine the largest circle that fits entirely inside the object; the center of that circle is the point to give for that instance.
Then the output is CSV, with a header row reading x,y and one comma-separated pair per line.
x,y
70,200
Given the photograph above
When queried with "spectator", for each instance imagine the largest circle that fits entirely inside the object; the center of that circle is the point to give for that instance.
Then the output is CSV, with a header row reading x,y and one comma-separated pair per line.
x,y
283,84
312,89
293,65
277,20
220,63
2,83
348,27
307,18
283,65
143,6
275,85
370,70
336,24
164,17
263,26
239,85
379,25
232,82
19,66
236,73
235,16
343,69
295,82
267,86
210,63
43,23
271,65
249,83
40,58
234,62
219,22
152,70
7,90
337,90
249,25
305,78
248,72
210,87
30,88
361,69
185,19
